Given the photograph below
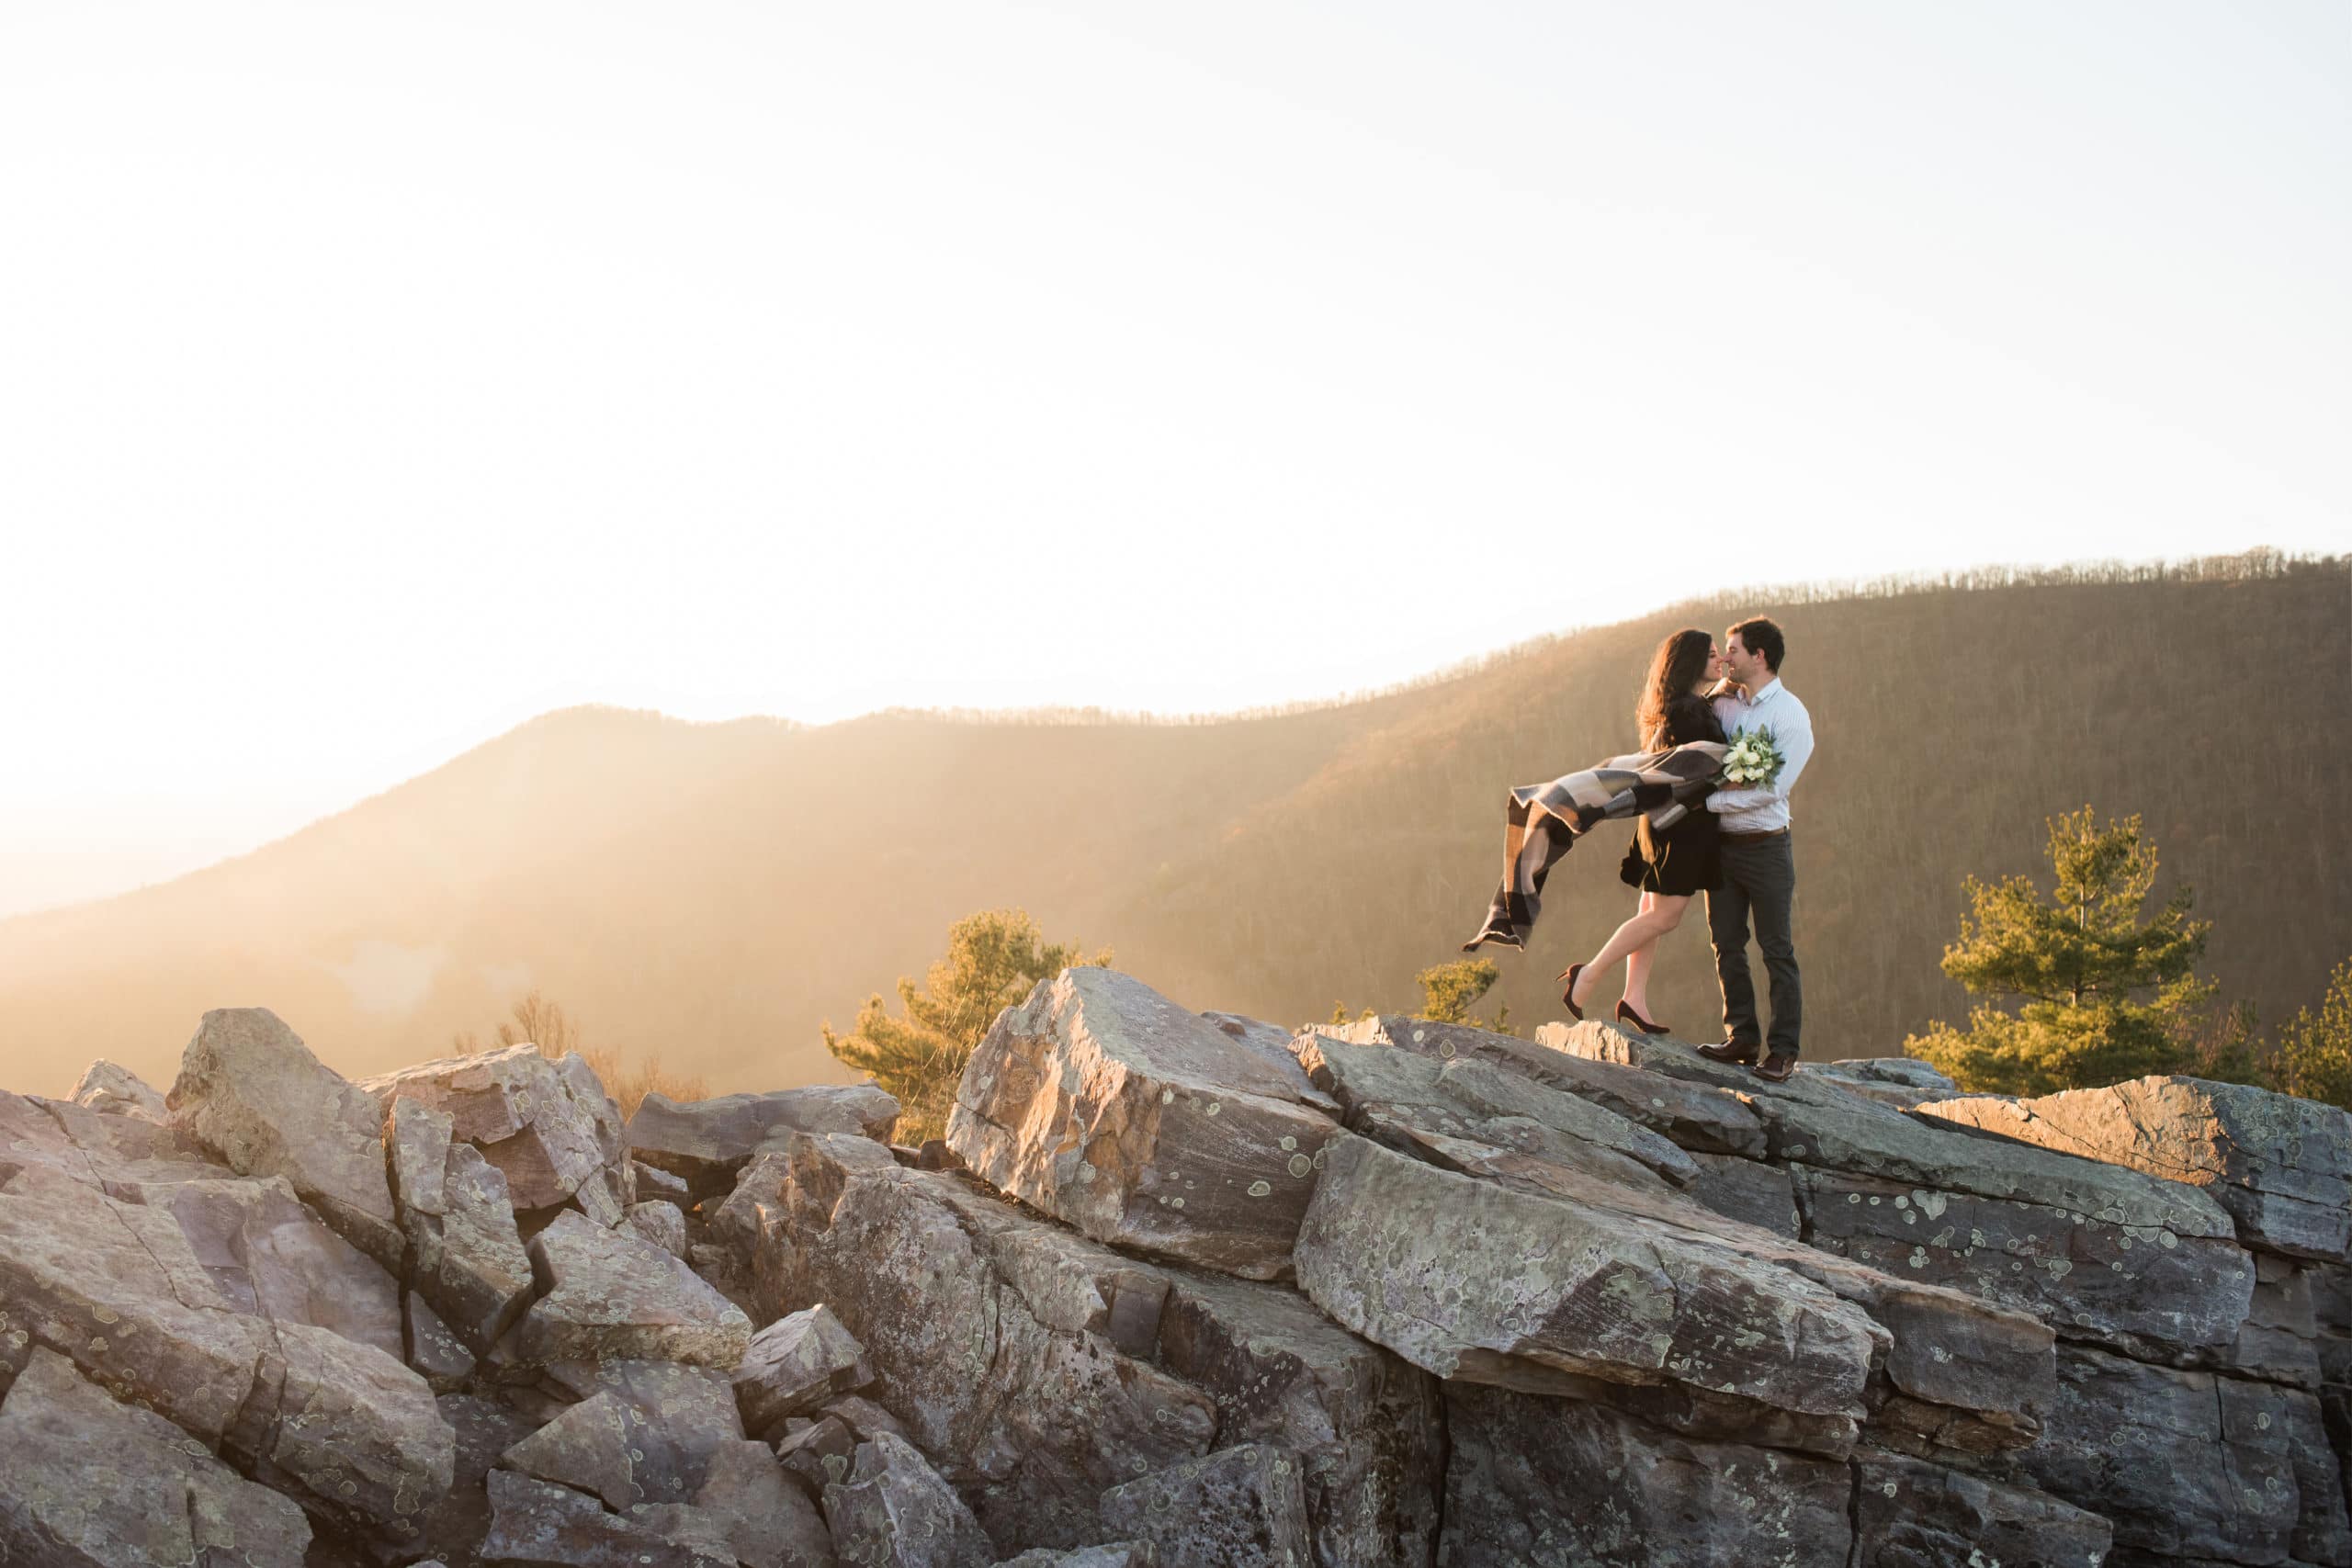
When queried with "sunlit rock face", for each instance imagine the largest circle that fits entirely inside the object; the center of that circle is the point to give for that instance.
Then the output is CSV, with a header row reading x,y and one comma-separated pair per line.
x,y
1584,1299
1106,1105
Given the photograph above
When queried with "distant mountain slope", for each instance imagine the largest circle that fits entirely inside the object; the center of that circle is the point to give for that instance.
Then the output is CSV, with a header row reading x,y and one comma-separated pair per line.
x,y
712,890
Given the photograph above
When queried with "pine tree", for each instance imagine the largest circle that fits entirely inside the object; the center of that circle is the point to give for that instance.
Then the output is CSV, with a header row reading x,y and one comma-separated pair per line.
x,y
994,958
1450,990
2076,963
2314,1055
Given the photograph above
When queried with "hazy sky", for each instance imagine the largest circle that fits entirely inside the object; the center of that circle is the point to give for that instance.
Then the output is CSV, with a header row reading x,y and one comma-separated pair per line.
x,y
375,377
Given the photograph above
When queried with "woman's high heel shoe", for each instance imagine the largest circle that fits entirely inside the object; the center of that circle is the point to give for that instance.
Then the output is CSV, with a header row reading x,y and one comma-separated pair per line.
x,y
1625,1012
1569,997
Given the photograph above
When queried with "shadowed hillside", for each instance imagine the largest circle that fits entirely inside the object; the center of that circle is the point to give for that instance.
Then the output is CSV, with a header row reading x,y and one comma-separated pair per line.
x,y
711,891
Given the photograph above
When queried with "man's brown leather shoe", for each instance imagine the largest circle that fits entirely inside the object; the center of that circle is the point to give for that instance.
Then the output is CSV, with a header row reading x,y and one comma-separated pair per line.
x,y
1778,1068
1732,1053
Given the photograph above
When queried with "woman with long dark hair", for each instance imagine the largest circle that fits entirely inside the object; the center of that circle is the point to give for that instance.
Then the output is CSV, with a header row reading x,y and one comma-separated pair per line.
x,y
1668,867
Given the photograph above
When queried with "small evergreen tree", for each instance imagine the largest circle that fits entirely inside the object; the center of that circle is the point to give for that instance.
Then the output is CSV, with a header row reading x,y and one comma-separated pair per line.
x,y
1450,990
2314,1057
2075,963
994,958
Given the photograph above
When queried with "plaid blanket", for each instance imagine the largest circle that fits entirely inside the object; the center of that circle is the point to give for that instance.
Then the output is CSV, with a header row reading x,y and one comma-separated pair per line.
x,y
1546,819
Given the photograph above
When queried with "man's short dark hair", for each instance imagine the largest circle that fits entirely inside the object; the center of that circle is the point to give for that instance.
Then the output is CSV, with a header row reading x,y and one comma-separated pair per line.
x,y
1762,634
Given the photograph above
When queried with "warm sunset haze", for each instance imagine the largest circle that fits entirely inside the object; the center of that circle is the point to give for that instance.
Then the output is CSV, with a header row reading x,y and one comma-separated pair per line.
x,y
712,891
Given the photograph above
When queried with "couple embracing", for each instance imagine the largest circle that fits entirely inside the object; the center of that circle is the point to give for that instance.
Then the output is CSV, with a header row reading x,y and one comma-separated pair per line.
x,y
1724,742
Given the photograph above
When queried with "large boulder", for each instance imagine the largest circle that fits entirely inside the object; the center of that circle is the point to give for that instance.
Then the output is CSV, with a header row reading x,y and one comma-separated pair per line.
x,y
1366,1430
1382,1089
269,1256
346,1429
1472,1280
109,1086
255,1096
1108,1106
2192,1464
706,1142
1910,1514
2138,1288
761,1512
631,1451
2280,1164
92,1481
466,1257
894,1511
547,1126
1240,1508
798,1364
1014,1352
612,1294
1557,1481
1698,1117
537,1522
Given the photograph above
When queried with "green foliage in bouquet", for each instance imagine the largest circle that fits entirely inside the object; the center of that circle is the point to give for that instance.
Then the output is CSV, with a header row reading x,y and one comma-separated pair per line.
x,y
2102,994
1754,759
994,959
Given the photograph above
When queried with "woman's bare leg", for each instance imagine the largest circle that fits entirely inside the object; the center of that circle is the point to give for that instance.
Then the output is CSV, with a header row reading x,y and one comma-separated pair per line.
x,y
1665,907
1656,917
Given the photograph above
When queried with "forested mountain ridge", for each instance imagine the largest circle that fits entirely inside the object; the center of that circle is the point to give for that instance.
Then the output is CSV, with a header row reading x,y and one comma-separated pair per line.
x,y
711,891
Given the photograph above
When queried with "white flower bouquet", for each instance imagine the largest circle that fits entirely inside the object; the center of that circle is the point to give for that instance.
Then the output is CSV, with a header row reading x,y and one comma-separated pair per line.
x,y
1754,759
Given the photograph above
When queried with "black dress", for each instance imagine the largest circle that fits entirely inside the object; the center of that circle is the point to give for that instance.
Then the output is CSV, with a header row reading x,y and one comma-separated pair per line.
x,y
1688,856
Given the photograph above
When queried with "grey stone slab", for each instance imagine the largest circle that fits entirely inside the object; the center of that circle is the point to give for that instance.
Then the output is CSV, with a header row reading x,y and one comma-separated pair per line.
x,y
91,1481
1367,1429
2185,1464
894,1511
109,1086
795,1365
1111,1108
1701,1117
536,1522
1240,1508
270,1255
1813,1120
608,1294
706,1142
1557,1481
255,1096
2134,1287
1470,1278
1910,1514
1018,1353
2280,1165
764,1516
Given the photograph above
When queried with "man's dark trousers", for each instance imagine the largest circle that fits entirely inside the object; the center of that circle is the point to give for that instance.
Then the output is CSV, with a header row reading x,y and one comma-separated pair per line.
x,y
1759,875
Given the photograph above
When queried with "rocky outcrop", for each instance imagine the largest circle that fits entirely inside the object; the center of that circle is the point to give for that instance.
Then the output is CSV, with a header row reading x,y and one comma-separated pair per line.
x,y
250,1092
609,1295
1587,1299
109,1086
547,1126
795,1365
466,1255
1241,1505
706,1142
1040,1368
1107,1106
2281,1166
894,1510
88,1479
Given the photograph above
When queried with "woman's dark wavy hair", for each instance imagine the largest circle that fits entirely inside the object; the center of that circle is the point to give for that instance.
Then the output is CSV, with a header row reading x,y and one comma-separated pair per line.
x,y
1677,666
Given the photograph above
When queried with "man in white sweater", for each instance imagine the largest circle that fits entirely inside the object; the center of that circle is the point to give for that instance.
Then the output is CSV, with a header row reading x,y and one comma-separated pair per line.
x,y
1760,866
